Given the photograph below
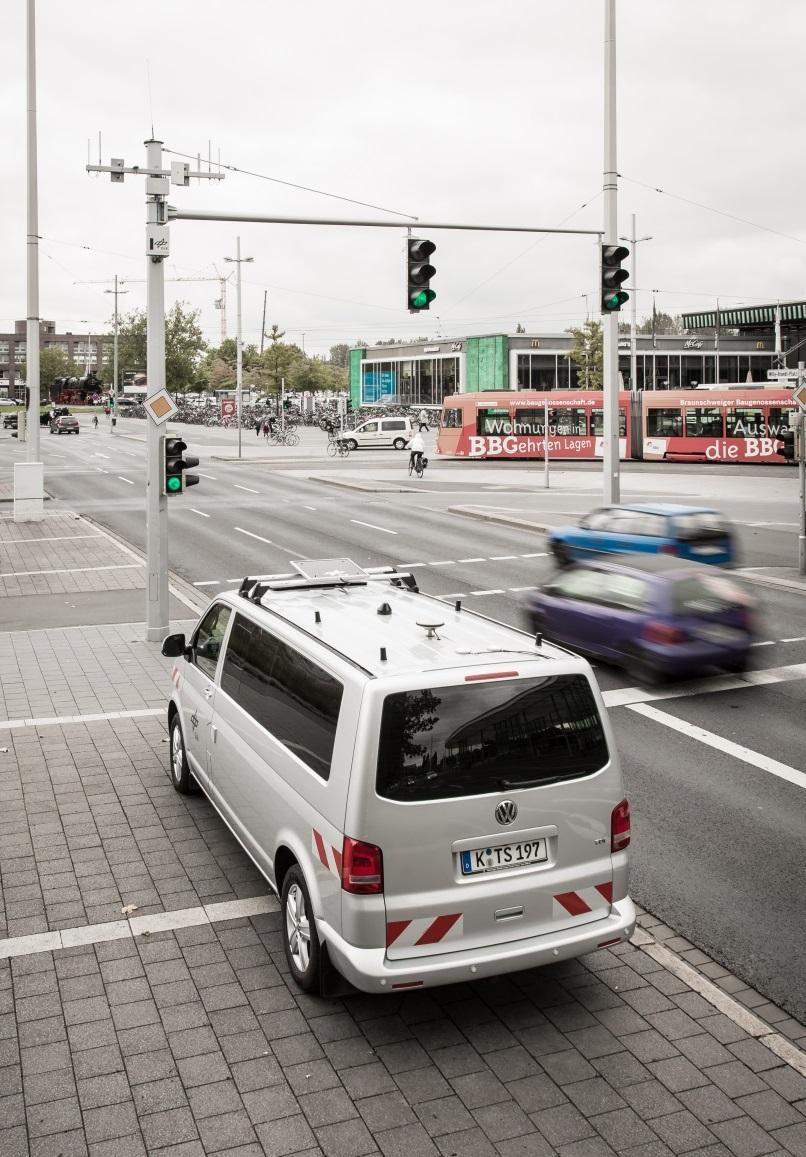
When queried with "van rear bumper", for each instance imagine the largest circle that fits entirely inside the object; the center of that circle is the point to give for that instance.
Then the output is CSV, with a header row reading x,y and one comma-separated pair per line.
x,y
369,969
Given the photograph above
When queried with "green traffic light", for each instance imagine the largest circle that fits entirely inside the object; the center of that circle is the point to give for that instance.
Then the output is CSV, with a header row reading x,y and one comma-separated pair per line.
x,y
422,299
616,300
173,484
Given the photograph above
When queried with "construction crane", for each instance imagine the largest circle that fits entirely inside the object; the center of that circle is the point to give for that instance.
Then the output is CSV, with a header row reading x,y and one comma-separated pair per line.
x,y
219,303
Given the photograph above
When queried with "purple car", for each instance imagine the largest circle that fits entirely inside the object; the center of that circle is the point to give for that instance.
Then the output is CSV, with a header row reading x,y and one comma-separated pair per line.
x,y
656,616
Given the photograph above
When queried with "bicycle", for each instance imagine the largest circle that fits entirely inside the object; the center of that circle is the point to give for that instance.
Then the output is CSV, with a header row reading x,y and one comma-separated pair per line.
x,y
418,465
338,446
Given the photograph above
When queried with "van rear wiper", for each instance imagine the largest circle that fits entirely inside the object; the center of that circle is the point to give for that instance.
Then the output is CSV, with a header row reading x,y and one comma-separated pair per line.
x,y
508,785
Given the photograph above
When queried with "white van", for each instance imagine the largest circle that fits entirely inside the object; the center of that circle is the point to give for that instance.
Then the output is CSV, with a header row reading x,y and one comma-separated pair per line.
x,y
433,795
382,433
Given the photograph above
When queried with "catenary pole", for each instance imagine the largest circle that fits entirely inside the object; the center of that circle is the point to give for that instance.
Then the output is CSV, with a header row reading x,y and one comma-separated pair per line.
x,y
238,260
263,323
156,502
610,456
635,241
115,373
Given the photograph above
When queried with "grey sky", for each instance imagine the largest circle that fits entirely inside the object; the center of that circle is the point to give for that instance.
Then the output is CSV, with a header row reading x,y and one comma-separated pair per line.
x,y
454,110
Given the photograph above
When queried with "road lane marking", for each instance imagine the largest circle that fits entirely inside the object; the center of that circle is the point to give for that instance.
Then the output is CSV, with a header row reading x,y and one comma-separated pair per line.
x,y
530,588
214,913
309,508
212,477
502,557
795,639
97,454
766,643
201,512
536,554
249,488
719,743
410,565
122,479
626,696
444,562
494,591
372,526
472,560
259,537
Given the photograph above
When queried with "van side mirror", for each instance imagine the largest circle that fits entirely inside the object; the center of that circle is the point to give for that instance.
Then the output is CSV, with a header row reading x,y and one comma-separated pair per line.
x,y
173,646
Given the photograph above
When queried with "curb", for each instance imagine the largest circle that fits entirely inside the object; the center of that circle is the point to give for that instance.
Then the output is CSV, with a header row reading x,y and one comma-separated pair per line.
x,y
502,519
764,580
377,488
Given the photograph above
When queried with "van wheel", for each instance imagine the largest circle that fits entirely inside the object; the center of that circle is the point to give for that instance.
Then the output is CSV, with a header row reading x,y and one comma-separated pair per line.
x,y
399,443
181,776
352,444
300,938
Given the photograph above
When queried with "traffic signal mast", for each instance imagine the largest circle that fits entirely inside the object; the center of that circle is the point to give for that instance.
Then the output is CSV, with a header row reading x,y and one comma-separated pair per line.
x,y
612,277
420,271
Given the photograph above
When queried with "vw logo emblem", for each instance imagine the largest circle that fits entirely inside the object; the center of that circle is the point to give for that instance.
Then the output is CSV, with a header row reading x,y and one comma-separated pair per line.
x,y
506,811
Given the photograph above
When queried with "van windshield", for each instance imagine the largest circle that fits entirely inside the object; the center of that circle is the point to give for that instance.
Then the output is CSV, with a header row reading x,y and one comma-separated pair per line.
x,y
443,742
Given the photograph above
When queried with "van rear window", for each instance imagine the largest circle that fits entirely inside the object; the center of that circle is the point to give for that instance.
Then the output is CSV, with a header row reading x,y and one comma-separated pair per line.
x,y
444,742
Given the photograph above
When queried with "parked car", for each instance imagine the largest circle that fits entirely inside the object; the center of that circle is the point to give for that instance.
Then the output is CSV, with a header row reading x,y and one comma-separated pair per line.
x,y
65,424
431,807
656,616
691,532
380,433
10,421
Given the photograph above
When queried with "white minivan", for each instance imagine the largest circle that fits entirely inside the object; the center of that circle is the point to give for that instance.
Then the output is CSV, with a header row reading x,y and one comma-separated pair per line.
x,y
380,433
434,796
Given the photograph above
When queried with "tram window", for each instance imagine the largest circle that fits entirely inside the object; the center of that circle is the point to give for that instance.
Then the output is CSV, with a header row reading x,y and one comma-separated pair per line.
x,y
529,421
704,423
597,423
664,423
744,423
777,421
493,422
570,421
452,418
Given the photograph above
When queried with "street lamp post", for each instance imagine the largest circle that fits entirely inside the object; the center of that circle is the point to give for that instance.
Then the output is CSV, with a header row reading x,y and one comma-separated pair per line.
x,y
116,292
238,260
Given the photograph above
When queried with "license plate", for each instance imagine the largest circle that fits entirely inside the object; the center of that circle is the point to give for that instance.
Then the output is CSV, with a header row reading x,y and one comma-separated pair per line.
x,y
707,550
503,856
721,634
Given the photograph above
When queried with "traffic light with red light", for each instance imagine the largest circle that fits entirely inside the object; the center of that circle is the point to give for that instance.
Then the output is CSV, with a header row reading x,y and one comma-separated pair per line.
x,y
613,276
174,466
420,271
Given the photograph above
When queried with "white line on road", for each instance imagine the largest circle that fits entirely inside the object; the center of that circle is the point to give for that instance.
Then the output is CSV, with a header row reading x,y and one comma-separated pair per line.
x,y
212,477
309,508
208,583
795,639
122,479
736,750
536,554
372,526
249,488
502,557
531,588
410,565
495,591
766,643
259,537
201,512
98,454
626,696
472,560
444,562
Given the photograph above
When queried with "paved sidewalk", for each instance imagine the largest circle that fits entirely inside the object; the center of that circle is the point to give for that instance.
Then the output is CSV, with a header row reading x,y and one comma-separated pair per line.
x,y
146,1007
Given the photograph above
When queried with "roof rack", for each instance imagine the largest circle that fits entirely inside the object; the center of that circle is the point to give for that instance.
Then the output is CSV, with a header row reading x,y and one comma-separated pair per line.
x,y
323,572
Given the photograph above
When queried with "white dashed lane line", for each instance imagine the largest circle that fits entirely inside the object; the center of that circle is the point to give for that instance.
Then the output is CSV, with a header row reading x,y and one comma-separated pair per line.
x,y
129,480
248,488
259,537
199,512
372,526
212,477
470,560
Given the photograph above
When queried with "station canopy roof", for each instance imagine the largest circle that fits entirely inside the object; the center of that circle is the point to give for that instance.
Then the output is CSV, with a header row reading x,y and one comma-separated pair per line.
x,y
747,317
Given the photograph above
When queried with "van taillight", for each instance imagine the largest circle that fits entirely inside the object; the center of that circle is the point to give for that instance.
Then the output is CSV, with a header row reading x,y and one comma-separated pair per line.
x,y
620,826
664,634
361,868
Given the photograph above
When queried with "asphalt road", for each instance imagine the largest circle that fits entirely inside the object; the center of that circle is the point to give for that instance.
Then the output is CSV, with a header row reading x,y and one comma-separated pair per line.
x,y
719,841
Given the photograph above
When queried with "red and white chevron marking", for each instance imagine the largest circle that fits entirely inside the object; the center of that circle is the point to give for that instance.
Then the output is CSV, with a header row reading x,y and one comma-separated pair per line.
x,y
327,855
428,930
596,899
176,678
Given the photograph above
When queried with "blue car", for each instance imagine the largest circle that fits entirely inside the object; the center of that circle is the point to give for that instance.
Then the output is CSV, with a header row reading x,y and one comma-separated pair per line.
x,y
656,616
690,532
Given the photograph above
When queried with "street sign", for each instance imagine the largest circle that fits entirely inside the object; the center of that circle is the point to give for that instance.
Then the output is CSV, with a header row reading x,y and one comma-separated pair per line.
x,y
800,395
160,407
788,374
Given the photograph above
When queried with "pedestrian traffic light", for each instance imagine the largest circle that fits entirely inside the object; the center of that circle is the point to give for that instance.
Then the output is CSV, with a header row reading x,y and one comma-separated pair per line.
x,y
420,271
613,276
175,480
787,450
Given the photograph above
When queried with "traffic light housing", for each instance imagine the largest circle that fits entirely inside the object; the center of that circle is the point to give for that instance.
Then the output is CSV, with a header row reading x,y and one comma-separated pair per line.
x,y
420,271
613,277
174,466
787,450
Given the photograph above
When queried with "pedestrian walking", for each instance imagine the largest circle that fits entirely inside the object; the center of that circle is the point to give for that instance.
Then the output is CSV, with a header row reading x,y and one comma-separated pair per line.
x,y
95,421
266,430
422,418
258,427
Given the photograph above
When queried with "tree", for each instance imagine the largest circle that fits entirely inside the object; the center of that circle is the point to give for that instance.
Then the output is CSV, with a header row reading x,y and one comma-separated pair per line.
x,y
184,344
520,328
339,355
588,354
664,323
278,360
53,363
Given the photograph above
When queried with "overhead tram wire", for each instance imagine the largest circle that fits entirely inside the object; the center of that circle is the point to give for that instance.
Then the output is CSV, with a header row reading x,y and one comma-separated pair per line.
x,y
711,209
293,185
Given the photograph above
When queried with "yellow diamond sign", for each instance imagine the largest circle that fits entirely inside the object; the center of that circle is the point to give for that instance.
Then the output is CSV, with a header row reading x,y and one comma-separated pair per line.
x,y
160,407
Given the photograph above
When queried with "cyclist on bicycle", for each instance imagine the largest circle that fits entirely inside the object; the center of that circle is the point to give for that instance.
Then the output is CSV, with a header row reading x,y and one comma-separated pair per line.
x,y
416,447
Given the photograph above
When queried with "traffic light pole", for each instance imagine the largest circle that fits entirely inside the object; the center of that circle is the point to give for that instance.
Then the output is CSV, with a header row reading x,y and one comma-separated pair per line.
x,y
157,616
610,402
801,442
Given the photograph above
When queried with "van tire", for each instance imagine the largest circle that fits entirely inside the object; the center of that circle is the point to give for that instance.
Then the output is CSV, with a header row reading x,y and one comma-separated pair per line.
x,y
399,443
352,444
302,953
181,776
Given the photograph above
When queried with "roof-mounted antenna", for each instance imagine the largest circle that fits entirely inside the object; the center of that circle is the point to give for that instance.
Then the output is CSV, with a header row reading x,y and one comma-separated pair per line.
x,y
458,605
317,618
383,654
384,609
431,629
539,639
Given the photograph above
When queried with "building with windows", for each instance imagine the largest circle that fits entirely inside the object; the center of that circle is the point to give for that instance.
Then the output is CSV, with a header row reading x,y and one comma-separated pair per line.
x,y
86,351
732,346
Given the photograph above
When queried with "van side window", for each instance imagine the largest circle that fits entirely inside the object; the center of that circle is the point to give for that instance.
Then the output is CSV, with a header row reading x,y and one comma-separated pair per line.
x,y
292,697
209,636
395,424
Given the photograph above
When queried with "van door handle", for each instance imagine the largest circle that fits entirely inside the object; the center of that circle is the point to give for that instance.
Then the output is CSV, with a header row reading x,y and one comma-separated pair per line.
x,y
208,692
